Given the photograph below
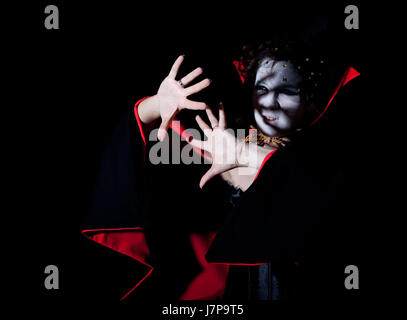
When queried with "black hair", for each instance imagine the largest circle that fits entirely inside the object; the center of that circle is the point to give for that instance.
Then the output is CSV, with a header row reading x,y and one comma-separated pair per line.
x,y
310,46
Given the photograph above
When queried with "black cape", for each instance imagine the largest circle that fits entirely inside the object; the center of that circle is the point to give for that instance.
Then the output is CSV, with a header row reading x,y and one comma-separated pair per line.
x,y
303,214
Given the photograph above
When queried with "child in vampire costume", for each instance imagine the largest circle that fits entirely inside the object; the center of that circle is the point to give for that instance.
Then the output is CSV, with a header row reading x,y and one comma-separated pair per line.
x,y
290,235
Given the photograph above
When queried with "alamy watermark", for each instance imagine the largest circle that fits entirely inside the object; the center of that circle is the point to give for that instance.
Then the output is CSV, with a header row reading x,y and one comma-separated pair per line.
x,y
352,18
352,278
52,19
52,279
176,149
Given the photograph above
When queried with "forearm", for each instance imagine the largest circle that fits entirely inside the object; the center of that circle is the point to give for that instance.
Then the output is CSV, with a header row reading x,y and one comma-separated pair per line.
x,y
149,110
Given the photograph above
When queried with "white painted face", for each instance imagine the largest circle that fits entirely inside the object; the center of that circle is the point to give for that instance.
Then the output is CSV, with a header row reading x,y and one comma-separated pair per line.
x,y
276,100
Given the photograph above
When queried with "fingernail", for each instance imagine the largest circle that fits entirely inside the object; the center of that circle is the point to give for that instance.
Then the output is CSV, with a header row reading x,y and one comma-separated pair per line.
x,y
210,81
183,55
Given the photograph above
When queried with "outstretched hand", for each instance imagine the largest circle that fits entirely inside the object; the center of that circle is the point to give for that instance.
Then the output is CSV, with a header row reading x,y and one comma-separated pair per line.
x,y
221,144
172,95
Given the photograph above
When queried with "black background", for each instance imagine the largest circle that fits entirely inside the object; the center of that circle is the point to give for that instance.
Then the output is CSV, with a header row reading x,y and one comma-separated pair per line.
x,y
75,83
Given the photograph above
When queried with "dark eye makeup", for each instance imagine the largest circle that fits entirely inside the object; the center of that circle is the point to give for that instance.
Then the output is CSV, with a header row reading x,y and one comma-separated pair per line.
x,y
260,88
290,91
